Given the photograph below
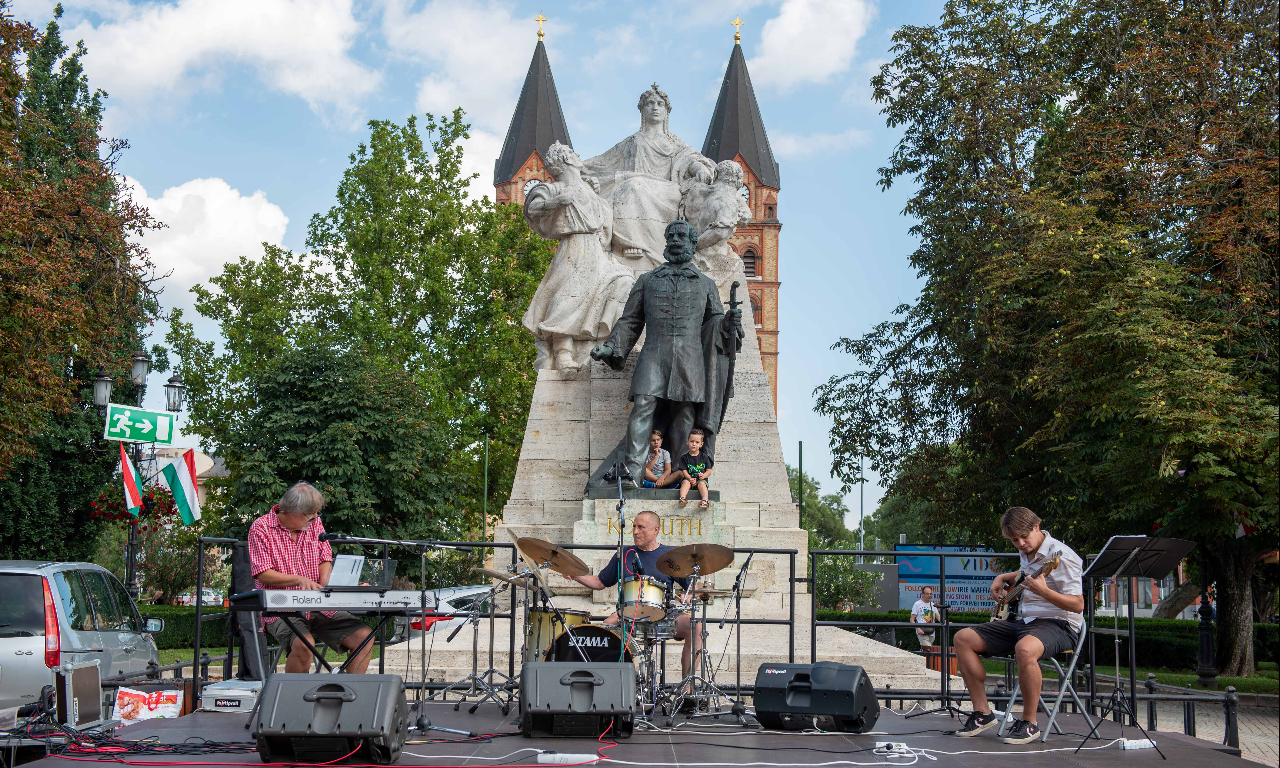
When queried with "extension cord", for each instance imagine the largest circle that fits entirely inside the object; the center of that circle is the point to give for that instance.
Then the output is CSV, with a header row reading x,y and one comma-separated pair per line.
x,y
1137,744
559,758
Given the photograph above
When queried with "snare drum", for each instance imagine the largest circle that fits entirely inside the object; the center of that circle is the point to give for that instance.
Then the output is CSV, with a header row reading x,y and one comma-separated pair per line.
x,y
650,631
643,599
544,627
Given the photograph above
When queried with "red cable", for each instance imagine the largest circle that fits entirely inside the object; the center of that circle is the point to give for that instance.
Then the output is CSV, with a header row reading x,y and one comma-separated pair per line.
x,y
612,744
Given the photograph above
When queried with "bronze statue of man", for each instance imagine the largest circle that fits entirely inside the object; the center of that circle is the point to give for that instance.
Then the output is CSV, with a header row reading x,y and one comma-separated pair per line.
x,y
681,374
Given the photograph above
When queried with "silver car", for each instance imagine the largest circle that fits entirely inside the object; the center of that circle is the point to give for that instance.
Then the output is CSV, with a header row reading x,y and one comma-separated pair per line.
x,y
59,613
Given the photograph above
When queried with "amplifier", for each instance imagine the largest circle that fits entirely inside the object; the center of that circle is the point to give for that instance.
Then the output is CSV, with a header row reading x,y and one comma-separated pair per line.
x,y
230,696
577,699
791,696
328,718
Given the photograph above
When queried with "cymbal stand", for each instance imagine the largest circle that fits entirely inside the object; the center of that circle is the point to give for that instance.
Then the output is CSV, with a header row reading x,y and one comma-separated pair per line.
x,y
701,682
479,684
546,598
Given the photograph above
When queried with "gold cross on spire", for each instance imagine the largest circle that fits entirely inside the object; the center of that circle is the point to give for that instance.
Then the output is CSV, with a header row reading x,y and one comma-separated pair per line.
x,y
540,18
737,28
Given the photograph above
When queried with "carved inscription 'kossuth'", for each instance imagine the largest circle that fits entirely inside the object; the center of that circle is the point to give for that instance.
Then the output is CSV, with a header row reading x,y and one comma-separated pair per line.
x,y
671,526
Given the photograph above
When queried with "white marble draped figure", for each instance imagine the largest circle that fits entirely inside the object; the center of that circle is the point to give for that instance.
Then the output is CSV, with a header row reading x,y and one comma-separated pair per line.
x,y
584,290
642,177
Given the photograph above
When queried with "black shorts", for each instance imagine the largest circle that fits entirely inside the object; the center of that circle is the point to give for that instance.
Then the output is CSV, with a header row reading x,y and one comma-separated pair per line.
x,y
330,631
1001,636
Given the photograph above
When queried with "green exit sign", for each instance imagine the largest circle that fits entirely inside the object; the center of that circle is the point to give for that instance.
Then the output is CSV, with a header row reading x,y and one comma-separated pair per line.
x,y
137,425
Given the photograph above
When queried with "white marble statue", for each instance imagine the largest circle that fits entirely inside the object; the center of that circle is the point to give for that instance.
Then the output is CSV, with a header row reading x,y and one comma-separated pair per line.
x,y
584,290
643,177
715,210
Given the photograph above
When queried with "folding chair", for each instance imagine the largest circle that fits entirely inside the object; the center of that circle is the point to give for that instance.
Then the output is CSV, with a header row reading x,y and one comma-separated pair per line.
x,y
1065,686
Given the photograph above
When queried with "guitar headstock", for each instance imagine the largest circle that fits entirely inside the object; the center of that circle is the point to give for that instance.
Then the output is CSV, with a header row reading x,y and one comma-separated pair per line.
x,y
1049,565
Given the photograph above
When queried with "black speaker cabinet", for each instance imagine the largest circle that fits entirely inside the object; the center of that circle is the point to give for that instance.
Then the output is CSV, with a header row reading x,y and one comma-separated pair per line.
x,y
577,698
790,696
325,718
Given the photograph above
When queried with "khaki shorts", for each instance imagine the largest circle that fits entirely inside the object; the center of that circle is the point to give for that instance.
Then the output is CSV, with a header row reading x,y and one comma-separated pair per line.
x,y
330,631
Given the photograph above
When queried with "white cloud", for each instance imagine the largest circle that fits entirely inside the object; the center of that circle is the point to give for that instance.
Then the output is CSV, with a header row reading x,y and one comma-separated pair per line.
x,y
796,146
620,46
477,55
147,54
809,41
208,223
478,154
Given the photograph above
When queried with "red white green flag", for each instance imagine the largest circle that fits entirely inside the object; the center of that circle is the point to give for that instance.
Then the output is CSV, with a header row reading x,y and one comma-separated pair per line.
x,y
132,484
180,475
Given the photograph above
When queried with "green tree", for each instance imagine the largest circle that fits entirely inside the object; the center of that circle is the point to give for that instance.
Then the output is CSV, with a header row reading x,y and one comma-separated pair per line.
x,y
1096,198
404,269
839,581
73,293
354,427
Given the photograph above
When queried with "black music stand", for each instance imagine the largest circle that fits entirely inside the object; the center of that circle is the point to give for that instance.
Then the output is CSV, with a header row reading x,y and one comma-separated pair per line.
x,y
1147,557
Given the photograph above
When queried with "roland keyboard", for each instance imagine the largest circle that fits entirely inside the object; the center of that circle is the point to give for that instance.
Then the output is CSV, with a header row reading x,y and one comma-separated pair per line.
x,y
332,599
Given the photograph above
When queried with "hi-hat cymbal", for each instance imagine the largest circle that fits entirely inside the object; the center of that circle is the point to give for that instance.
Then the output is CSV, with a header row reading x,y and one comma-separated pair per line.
x,y
561,560
510,578
708,558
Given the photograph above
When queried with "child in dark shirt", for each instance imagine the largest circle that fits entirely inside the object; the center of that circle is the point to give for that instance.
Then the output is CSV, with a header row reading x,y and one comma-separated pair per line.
x,y
695,468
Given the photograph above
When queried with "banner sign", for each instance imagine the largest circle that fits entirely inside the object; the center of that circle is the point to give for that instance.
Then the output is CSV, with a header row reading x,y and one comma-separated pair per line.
x,y
969,575
138,425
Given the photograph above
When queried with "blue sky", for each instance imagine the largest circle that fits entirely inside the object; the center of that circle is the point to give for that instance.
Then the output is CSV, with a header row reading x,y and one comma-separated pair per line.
x,y
240,116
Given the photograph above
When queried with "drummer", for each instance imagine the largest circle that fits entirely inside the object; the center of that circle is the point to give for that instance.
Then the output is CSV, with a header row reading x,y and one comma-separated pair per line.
x,y
642,559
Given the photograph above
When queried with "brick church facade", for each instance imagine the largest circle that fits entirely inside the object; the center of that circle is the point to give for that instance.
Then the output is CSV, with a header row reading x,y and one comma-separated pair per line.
x,y
736,132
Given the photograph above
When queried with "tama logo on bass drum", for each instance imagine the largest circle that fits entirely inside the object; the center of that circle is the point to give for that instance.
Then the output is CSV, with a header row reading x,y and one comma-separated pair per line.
x,y
591,641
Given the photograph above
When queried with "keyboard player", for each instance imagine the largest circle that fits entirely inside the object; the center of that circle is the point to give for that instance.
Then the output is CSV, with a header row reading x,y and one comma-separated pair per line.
x,y
285,552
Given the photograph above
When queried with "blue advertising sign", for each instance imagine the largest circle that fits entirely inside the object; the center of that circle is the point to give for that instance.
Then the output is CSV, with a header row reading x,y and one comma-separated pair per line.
x,y
969,576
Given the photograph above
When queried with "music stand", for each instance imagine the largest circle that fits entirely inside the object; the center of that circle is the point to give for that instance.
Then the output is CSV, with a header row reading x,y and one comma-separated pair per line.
x,y
1148,557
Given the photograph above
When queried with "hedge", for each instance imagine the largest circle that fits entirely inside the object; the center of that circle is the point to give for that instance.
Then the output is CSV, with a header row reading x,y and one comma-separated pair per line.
x,y
1162,643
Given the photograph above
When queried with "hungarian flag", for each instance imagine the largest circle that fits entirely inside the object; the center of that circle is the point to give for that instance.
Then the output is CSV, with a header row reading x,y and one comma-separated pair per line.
x,y
132,484
180,476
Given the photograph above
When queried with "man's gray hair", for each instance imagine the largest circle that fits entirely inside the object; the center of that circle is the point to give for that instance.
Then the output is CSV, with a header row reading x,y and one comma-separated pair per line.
x,y
302,499
657,519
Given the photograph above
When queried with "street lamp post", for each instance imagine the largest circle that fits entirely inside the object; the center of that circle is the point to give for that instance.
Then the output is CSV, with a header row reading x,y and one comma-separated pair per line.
x,y
140,366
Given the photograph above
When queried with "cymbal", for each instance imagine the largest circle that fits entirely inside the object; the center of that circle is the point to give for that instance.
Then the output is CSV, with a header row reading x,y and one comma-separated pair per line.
x,y
681,561
510,578
561,560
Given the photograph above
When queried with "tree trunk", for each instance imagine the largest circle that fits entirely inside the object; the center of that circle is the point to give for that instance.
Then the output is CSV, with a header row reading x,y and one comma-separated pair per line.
x,y
1233,563
1173,603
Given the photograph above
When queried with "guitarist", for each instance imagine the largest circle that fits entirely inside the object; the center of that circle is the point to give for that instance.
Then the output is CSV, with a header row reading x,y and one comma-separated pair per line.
x,y
1049,623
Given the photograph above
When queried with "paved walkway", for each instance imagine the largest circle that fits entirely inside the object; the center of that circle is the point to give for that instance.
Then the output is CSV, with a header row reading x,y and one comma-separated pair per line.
x,y
1259,728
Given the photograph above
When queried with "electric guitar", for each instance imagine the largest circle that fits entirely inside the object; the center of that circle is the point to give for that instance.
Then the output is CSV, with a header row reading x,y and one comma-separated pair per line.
x,y
1006,606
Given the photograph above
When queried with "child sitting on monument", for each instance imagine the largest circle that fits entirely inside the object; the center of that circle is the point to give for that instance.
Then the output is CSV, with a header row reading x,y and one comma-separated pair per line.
x,y
659,472
695,468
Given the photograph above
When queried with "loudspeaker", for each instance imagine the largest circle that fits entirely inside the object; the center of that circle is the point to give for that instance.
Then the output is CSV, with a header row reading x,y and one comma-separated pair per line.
x,y
790,696
326,718
577,698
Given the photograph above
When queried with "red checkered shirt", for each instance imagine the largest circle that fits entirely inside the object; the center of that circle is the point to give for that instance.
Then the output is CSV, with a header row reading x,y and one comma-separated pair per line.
x,y
273,547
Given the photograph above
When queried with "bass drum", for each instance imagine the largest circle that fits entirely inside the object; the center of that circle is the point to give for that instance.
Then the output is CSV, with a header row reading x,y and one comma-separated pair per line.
x,y
544,627
597,642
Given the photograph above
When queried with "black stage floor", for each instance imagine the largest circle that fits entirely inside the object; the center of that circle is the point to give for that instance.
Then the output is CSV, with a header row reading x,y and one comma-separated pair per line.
x,y
708,742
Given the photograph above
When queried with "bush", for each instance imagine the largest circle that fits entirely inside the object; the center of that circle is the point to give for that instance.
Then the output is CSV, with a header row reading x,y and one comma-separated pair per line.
x,y
180,626
1162,643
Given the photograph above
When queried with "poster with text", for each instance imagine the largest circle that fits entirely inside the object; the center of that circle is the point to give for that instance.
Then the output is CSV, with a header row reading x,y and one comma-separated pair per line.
x,y
133,706
969,574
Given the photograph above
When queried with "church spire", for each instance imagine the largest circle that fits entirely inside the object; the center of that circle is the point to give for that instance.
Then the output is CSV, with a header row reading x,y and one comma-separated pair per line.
x,y
538,121
736,126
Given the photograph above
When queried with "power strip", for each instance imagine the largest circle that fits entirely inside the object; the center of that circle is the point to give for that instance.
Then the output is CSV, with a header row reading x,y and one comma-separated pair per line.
x,y
1137,744
891,746
563,758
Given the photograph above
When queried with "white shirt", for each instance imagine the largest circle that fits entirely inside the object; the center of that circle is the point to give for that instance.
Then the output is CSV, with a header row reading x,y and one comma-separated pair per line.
x,y
922,607
1065,579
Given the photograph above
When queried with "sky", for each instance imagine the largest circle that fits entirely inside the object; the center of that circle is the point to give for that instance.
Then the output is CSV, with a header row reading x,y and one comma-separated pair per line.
x,y
240,116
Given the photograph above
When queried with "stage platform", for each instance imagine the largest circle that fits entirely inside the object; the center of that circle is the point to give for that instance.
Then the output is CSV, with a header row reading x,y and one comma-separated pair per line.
x,y
708,742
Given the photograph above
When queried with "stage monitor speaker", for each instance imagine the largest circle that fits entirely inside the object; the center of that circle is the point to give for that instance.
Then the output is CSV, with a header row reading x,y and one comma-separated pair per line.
x,y
790,696
326,718
577,698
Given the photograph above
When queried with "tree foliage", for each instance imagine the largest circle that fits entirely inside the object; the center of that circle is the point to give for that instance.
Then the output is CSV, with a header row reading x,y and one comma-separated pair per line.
x,y
840,583
1097,214
74,283
407,272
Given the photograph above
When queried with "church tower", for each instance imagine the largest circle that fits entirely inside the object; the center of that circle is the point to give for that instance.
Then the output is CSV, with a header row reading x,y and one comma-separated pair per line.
x,y
538,123
737,133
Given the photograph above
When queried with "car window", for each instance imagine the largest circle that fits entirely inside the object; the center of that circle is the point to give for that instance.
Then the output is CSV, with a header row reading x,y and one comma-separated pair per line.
x,y
104,607
128,611
75,601
21,605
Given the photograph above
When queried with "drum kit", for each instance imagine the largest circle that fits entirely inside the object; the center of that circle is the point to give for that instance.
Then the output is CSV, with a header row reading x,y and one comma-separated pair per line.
x,y
647,613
